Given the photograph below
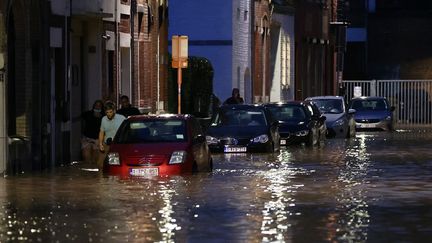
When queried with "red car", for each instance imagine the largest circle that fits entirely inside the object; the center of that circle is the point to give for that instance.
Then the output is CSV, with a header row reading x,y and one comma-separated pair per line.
x,y
154,145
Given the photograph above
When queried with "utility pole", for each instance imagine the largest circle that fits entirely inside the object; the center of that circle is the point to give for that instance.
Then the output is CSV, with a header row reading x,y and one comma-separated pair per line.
x,y
3,93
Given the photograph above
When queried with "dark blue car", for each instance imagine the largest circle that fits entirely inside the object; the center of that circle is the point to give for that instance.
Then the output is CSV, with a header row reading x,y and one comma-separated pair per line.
x,y
299,122
243,128
373,113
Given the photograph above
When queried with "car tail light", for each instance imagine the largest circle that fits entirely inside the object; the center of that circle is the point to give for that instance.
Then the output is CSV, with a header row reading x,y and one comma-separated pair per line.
x,y
261,139
113,159
177,157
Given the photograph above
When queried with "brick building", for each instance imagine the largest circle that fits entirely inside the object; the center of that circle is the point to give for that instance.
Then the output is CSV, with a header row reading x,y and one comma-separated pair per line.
x,y
315,49
63,55
261,52
235,37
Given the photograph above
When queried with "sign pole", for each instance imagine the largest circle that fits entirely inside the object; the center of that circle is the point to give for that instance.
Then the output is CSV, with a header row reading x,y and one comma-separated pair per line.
x,y
180,56
179,83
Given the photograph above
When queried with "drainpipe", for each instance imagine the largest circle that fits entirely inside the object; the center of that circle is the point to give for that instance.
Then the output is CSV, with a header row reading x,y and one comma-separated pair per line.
x,y
158,70
132,60
3,126
138,103
264,76
117,50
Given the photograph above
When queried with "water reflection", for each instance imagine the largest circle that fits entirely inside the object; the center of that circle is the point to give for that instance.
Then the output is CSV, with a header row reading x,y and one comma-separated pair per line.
x,y
351,221
279,208
375,187
167,224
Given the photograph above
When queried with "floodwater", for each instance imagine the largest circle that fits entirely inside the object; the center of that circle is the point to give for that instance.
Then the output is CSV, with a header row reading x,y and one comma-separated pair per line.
x,y
376,187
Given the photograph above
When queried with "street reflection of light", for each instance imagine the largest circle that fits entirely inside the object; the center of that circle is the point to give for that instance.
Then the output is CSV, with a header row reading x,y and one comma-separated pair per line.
x,y
353,222
281,204
167,224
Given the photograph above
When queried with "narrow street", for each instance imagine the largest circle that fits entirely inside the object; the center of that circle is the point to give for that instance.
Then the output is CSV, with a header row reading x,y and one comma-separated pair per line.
x,y
374,188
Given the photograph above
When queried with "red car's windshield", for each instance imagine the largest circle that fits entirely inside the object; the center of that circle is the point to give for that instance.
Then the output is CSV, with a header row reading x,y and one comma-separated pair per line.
x,y
151,131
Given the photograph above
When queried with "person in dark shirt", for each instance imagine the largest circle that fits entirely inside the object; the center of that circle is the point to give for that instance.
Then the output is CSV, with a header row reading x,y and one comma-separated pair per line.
x,y
235,98
91,122
126,108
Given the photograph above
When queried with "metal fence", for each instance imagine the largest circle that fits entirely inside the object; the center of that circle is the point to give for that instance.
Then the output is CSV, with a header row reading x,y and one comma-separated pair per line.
x,y
411,98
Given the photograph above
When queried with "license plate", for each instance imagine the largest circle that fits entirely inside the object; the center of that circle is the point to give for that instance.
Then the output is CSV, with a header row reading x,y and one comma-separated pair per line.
x,y
144,172
367,125
235,149
282,142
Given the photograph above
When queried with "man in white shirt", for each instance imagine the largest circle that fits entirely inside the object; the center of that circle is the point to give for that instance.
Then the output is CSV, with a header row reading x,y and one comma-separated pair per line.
x,y
109,126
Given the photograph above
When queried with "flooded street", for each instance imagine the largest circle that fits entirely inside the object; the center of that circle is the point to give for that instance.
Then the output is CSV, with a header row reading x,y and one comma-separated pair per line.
x,y
376,187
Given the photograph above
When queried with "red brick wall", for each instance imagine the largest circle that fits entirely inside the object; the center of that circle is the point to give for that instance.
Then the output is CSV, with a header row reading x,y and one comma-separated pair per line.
x,y
261,25
148,59
312,32
144,73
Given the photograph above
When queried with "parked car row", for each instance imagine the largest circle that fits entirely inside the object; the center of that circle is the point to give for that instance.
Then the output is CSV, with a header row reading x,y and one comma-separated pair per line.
x,y
153,145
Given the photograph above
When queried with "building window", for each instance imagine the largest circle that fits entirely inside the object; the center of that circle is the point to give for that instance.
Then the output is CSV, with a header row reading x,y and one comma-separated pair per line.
x,y
238,14
140,20
245,16
284,63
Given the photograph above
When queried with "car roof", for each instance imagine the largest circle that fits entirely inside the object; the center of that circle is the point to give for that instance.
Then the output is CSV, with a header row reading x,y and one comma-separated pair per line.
x,y
369,98
160,117
326,97
241,106
293,102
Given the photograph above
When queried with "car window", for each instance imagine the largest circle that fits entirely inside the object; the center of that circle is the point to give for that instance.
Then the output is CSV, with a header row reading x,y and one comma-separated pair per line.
x,y
369,104
288,113
148,131
332,106
240,118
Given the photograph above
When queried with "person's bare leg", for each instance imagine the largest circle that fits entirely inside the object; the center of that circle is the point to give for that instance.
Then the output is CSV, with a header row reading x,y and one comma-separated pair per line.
x,y
87,154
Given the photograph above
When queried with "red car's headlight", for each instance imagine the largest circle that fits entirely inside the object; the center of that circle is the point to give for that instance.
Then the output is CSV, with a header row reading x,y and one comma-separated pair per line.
x,y
113,158
177,157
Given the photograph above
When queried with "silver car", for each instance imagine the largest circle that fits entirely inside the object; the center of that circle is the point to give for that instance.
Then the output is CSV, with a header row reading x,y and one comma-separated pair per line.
x,y
340,120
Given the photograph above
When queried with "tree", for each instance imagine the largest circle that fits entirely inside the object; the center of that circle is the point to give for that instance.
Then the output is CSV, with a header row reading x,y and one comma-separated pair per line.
x,y
197,87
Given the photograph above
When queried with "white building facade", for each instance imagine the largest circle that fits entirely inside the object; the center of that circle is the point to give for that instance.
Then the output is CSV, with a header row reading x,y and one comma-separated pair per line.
x,y
283,57
242,53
